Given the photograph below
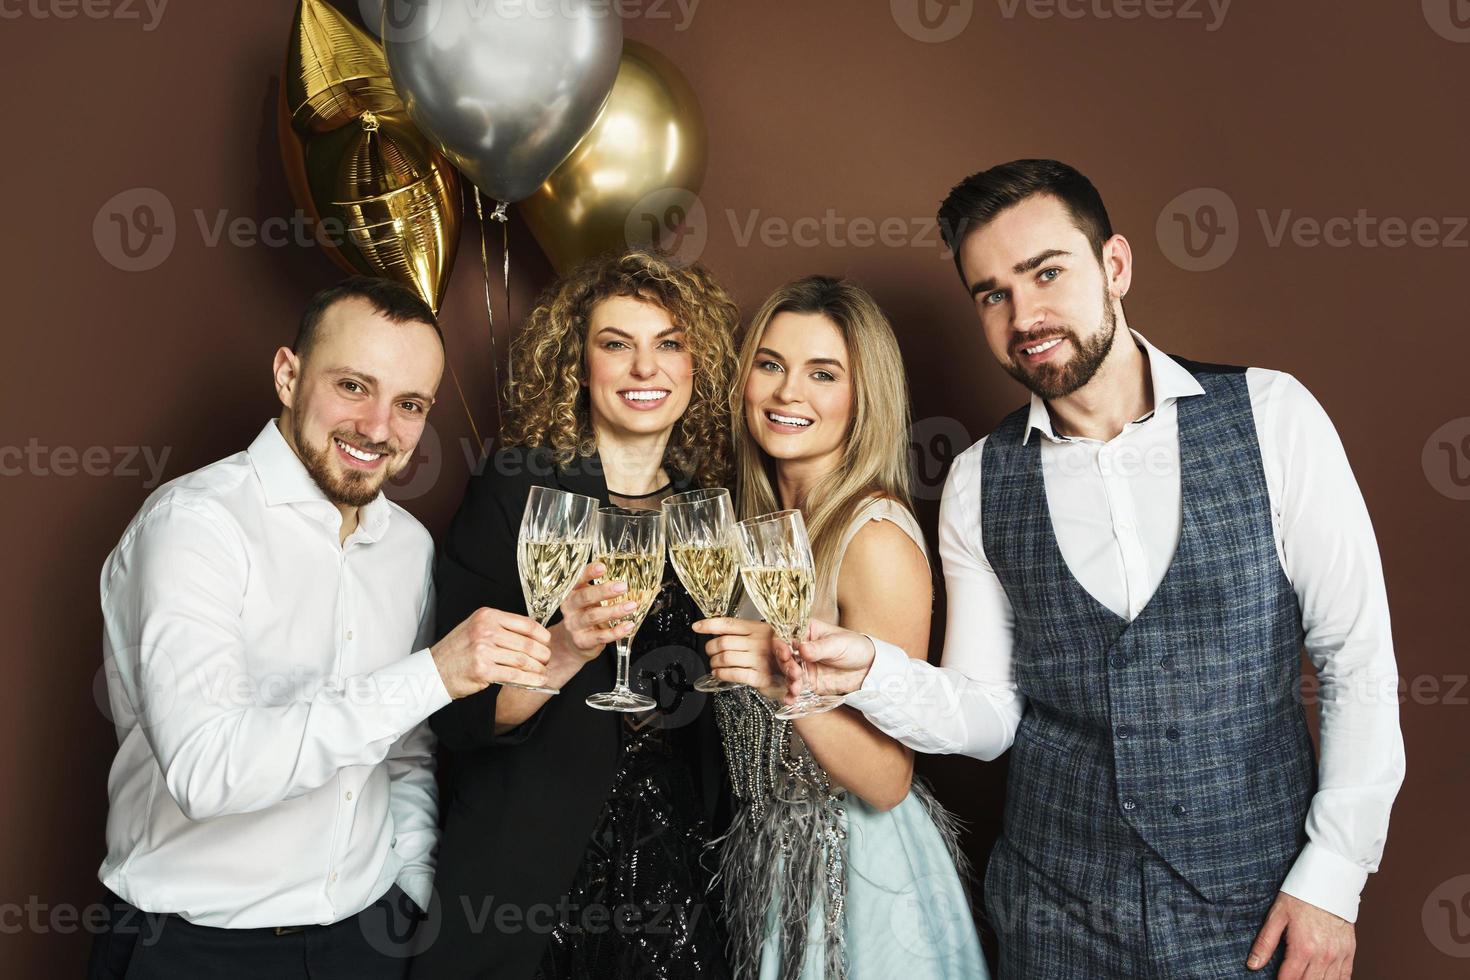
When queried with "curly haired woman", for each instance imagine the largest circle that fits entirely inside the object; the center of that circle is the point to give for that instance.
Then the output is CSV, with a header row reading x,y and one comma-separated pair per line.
x,y
572,837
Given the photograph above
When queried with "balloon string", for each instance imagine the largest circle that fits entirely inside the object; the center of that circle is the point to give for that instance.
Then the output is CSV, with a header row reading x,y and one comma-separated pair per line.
x,y
498,215
469,415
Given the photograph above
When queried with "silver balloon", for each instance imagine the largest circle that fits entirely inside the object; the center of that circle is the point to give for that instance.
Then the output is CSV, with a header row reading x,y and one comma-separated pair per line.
x,y
372,14
506,88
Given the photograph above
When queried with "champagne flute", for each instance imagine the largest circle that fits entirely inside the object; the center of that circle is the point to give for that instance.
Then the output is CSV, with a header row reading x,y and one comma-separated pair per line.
x,y
552,548
779,574
702,547
631,544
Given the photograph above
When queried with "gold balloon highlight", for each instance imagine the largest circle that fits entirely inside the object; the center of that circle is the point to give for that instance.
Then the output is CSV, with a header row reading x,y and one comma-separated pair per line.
x,y
649,141
335,70
386,202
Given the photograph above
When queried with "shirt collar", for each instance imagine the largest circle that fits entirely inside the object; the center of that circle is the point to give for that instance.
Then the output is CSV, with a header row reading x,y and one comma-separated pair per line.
x,y
284,480
1171,381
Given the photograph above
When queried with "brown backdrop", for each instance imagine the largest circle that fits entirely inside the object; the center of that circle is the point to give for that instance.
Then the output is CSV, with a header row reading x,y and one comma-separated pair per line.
x,y
848,115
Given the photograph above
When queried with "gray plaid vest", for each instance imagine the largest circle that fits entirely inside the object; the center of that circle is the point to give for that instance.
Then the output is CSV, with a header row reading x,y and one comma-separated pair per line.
x,y
1181,730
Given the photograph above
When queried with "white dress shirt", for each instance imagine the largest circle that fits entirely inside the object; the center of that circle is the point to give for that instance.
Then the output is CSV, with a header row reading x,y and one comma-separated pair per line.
x,y
274,767
1117,512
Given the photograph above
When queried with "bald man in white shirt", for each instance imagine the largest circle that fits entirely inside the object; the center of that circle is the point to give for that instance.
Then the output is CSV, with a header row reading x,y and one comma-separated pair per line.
x,y
272,806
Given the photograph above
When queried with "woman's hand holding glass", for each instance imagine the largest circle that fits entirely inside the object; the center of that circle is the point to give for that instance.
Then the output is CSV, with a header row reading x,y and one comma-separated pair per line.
x,y
587,613
742,651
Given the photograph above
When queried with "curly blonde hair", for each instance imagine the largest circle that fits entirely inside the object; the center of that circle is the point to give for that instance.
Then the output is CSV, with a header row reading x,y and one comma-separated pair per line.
x,y
546,402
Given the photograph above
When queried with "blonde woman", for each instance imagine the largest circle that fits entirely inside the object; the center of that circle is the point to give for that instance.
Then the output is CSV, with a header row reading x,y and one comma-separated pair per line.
x,y
836,864
572,837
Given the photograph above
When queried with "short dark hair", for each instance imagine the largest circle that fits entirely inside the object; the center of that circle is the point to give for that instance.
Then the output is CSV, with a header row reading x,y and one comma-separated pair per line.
x,y
393,300
976,200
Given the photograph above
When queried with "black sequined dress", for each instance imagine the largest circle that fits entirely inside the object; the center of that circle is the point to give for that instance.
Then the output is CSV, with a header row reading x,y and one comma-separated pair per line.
x,y
641,904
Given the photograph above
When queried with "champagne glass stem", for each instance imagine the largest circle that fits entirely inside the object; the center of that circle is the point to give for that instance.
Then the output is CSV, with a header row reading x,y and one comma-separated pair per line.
x,y
807,691
624,651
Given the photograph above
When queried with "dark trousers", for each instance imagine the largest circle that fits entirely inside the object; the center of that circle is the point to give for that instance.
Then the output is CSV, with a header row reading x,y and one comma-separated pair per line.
x,y
375,944
1148,925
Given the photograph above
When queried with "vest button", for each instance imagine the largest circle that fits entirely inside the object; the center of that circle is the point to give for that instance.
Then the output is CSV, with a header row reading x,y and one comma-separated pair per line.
x,y
1124,731
1129,803
1179,810
1168,662
1119,660
1171,733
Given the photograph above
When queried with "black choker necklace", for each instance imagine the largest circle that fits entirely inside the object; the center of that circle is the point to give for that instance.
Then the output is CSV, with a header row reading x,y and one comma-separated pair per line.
x,y
640,496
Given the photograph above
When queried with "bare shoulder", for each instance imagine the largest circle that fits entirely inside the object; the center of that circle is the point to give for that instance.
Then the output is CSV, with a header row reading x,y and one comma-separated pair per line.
x,y
882,554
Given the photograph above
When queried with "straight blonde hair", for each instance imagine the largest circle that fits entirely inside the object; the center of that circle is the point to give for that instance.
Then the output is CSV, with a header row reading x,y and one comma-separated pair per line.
x,y
875,459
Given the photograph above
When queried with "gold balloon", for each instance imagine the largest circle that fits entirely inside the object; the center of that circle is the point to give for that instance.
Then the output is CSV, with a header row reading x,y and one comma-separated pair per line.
x,y
335,70
389,201
384,200
647,146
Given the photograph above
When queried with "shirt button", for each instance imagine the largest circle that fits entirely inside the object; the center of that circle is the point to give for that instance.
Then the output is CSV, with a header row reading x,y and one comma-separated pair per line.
x,y
1168,662
1179,810
1119,660
1129,803
334,876
1171,733
1124,731
349,634
349,794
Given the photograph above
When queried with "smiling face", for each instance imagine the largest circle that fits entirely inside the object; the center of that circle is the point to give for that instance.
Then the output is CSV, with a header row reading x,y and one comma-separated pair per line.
x,y
640,375
355,405
799,391
1046,304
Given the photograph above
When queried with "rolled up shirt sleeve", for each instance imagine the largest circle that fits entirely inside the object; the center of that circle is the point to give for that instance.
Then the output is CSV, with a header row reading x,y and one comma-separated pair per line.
x,y
969,704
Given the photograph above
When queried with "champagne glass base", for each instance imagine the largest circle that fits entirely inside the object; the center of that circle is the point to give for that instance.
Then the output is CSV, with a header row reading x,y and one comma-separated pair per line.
x,y
624,700
813,704
710,684
532,687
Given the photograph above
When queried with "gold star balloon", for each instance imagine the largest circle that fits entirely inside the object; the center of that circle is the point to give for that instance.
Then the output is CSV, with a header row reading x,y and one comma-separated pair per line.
x,y
385,201
335,70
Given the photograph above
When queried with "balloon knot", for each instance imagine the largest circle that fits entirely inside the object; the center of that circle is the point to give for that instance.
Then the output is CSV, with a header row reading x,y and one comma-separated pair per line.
x,y
499,213
369,121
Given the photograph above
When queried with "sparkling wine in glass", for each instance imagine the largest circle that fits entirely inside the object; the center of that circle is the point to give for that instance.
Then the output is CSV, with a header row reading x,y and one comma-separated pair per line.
x,y
631,544
553,545
704,552
780,578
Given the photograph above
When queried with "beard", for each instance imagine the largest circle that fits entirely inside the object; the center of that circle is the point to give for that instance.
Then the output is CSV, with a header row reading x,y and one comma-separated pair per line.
x,y
347,488
1052,381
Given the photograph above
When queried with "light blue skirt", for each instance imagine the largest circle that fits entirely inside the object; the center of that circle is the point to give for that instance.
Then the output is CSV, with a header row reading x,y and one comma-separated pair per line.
x,y
906,916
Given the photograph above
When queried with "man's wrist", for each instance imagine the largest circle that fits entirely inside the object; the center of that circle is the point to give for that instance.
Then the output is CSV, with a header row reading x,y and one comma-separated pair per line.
x,y
1327,880
887,662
